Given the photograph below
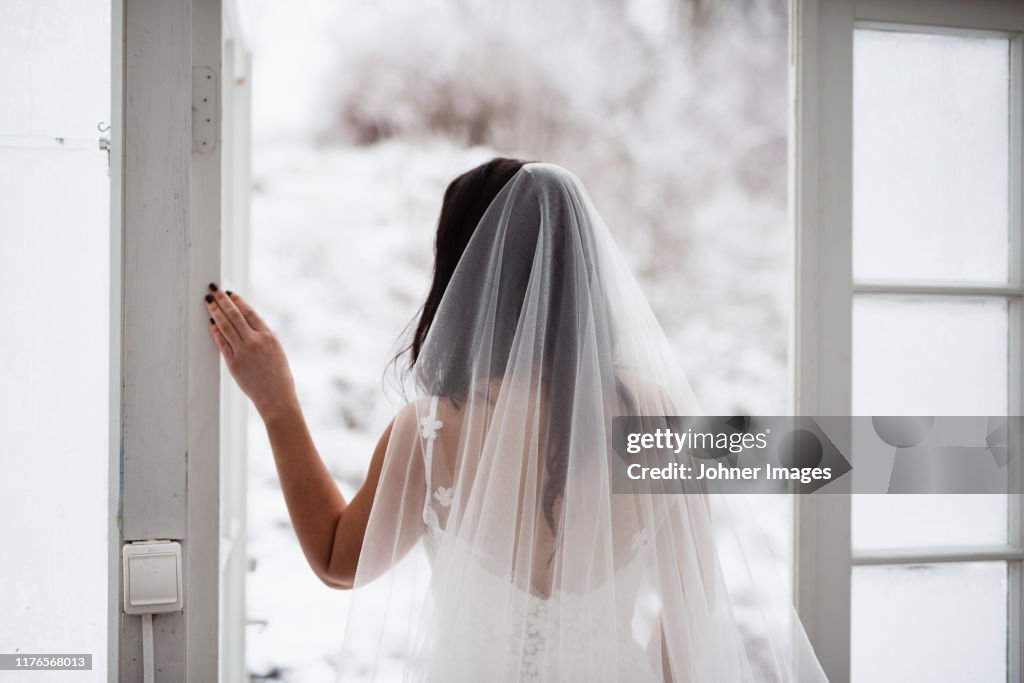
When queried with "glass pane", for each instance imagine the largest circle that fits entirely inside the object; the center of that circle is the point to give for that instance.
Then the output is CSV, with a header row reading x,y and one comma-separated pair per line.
x,y
55,67
929,355
923,521
930,157
54,272
935,623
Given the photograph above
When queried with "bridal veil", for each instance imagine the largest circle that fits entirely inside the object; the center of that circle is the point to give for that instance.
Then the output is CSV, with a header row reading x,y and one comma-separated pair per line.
x,y
497,549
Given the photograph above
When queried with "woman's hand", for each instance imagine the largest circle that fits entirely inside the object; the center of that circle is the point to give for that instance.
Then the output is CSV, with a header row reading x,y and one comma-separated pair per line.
x,y
252,353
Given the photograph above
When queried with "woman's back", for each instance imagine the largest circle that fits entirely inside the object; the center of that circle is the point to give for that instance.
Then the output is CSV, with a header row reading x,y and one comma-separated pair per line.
x,y
526,643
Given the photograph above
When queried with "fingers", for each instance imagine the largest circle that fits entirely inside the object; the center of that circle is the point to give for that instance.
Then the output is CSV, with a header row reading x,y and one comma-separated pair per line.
x,y
220,341
251,316
231,313
223,325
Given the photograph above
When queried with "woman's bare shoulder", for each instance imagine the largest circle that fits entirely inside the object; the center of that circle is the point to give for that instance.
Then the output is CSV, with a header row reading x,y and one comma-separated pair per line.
x,y
419,411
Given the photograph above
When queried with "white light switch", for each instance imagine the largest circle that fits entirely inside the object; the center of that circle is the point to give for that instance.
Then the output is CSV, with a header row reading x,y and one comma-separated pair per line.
x,y
152,577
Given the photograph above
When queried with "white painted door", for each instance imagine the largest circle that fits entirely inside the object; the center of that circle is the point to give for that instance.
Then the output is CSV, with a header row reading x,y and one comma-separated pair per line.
x,y
54,318
907,158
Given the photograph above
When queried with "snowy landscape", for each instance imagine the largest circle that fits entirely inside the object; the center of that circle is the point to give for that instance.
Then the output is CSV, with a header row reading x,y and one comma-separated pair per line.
x,y
672,114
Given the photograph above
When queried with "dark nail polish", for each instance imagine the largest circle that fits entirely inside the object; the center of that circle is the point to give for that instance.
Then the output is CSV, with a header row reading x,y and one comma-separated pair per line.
x,y
209,299
211,322
213,287
228,292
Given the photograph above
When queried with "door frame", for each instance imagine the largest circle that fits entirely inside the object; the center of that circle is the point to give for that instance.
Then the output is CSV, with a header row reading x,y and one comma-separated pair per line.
x,y
168,197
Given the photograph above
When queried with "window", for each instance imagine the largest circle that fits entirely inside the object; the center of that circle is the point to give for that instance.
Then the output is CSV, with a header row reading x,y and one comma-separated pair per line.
x,y
907,206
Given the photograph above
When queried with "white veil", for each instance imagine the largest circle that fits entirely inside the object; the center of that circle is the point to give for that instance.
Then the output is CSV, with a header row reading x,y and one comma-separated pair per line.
x,y
496,549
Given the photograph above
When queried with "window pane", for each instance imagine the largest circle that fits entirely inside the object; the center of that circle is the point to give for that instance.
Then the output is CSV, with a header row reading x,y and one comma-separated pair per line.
x,y
929,356
922,521
936,623
930,156
915,355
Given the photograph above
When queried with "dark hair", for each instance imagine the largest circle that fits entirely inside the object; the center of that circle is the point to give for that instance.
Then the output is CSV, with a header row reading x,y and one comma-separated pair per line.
x,y
442,372
465,202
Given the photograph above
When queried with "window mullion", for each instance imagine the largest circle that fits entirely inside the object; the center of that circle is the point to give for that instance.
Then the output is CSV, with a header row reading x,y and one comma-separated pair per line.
x,y
1015,532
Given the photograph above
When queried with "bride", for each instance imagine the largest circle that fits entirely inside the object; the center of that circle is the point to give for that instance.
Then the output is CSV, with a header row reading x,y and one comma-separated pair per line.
x,y
490,540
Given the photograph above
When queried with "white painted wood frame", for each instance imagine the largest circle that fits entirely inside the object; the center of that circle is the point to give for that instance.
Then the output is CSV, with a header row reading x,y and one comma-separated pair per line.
x,y
166,213
821,174
236,88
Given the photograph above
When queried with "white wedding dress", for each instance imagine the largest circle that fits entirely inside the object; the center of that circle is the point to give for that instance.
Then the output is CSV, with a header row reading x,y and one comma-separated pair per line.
x,y
529,644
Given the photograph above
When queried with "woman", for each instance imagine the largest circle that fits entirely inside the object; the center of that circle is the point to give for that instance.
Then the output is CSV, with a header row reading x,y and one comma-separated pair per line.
x,y
543,565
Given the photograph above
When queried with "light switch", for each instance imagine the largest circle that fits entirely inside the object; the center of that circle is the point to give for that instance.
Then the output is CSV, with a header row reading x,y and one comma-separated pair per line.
x,y
152,577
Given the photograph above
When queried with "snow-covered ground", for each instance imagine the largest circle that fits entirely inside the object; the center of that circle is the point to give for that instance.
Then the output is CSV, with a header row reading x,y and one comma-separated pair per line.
x,y
342,236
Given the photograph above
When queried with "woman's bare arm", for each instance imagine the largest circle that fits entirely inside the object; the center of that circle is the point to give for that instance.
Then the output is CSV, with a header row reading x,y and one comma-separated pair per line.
x,y
314,502
330,530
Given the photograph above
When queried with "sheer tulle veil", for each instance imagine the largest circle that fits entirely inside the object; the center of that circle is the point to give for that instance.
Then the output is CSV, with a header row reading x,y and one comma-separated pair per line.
x,y
496,549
